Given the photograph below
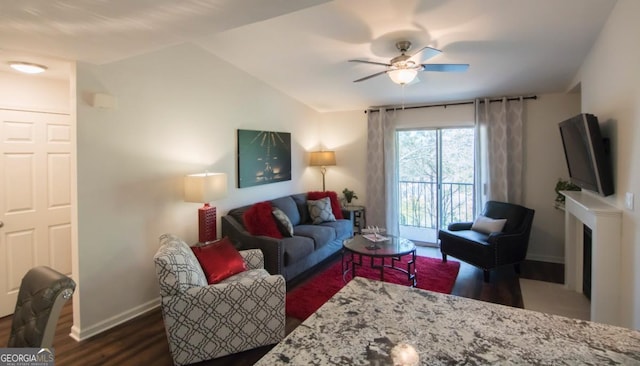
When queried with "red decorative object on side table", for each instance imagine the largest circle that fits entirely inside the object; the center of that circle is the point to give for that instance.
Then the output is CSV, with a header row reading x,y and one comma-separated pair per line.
x,y
207,223
204,188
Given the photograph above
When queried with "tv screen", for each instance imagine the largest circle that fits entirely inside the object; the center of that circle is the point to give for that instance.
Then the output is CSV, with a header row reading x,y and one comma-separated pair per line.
x,y
587,158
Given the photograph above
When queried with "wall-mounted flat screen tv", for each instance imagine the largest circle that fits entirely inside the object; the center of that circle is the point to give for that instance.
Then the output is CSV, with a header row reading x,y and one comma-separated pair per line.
x,y
587,154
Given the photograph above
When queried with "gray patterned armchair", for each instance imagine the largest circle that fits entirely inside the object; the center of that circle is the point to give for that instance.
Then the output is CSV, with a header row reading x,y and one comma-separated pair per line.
x,y
204,321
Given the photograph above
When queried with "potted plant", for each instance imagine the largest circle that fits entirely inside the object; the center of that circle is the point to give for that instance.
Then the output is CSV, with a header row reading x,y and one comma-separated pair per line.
x,y
563,185
349,195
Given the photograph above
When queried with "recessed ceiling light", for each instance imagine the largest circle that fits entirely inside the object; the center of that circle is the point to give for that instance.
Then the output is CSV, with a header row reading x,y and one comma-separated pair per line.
x,y
27,67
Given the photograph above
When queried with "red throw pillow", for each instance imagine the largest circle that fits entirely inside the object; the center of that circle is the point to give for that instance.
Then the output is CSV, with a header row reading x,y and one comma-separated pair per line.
x,y
333,196
219,260
259,220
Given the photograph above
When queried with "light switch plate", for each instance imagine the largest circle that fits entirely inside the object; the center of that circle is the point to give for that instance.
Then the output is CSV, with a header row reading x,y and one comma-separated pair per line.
x,y
628,201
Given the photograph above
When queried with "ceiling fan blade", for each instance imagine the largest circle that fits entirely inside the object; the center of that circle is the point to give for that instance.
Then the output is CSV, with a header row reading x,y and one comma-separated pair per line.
x,y
427,53
445,67
371,76
370,62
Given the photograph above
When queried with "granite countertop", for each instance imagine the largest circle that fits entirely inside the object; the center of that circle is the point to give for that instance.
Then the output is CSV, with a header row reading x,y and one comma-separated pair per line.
x,y
369,321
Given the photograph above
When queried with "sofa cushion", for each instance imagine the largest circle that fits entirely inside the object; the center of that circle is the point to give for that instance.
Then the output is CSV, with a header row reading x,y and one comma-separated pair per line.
x,y
343,228
333,196
219,260
321,235
469,244
320,210
297,248
259,220
238,214
248,275
283,222
301,202
289,207
469,235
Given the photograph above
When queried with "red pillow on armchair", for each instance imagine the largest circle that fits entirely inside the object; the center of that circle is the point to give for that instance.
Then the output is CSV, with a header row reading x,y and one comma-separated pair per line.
x,y
219,260
259,220
333,196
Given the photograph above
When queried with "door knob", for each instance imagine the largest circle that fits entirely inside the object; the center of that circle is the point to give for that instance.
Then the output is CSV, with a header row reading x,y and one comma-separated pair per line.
x,y
1,224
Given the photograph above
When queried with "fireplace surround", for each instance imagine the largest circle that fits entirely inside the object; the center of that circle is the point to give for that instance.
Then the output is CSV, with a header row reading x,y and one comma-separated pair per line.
x,y
605,221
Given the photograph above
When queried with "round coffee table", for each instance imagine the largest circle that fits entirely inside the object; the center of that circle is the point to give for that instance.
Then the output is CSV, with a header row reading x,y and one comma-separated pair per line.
x,y
393,248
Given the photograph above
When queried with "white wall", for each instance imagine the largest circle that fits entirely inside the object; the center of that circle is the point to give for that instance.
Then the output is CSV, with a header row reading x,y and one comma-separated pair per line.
x,y
610,83
450,116
34,92
346,133
544,164
178,111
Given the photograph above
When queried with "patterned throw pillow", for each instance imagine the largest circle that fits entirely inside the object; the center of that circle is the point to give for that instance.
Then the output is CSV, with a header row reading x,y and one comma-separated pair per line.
x,y
320,210
335,202
284,224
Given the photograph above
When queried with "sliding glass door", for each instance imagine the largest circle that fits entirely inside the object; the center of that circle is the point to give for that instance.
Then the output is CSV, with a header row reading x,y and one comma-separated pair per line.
x,y
435,180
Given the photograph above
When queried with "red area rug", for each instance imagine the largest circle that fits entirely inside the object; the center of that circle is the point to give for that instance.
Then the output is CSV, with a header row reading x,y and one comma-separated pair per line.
x,y
431,273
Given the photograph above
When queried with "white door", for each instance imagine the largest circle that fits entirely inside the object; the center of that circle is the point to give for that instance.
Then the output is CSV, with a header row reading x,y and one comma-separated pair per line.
x,y
35,197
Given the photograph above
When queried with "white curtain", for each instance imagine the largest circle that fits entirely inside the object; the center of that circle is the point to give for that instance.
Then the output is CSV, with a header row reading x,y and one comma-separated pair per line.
x,y
382,172
499,146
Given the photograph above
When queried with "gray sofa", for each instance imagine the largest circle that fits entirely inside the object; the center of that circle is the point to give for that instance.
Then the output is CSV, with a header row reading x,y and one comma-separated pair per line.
x,y
290,256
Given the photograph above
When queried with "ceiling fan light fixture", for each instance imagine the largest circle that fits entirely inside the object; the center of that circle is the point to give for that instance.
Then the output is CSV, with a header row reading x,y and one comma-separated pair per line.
x,y
402,76
27,67
404,68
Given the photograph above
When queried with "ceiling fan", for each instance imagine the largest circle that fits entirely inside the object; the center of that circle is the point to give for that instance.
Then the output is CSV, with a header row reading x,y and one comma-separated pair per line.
x,y
403,69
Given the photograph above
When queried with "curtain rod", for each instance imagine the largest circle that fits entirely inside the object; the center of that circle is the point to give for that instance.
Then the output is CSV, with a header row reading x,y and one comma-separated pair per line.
x,y
534,97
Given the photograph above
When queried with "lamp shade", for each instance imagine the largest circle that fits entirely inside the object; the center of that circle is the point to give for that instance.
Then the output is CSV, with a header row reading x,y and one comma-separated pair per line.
x,y
402,76
322,158
205,187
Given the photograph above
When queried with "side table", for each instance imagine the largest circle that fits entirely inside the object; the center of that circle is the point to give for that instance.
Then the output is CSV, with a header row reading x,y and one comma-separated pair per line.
x,y
358,216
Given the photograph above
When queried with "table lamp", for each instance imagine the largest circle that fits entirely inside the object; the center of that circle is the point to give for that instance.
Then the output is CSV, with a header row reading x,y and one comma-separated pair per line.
x,y
322,159
204,188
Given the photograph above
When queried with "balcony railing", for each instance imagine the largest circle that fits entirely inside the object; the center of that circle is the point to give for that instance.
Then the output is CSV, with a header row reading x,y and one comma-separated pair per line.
x,y
419,203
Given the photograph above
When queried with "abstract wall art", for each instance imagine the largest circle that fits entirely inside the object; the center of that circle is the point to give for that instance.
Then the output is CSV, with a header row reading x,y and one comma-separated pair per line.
x,y
263,157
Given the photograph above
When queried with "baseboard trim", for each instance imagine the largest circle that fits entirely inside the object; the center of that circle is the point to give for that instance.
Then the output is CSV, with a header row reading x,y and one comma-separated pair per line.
x,y
545,258
79,334
425,244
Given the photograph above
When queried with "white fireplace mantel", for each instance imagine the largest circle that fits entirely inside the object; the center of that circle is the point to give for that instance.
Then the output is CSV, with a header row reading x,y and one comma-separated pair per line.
x,y
605,222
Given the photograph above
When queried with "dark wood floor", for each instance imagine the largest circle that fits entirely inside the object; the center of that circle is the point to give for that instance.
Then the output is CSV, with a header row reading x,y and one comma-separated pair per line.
x,y
142,341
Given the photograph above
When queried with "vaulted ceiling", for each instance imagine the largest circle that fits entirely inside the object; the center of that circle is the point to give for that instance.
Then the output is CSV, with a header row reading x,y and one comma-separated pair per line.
x,y
302,47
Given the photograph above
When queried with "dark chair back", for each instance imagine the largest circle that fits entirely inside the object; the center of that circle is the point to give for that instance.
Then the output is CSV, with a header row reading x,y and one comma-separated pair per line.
x,y
518,217
42,293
